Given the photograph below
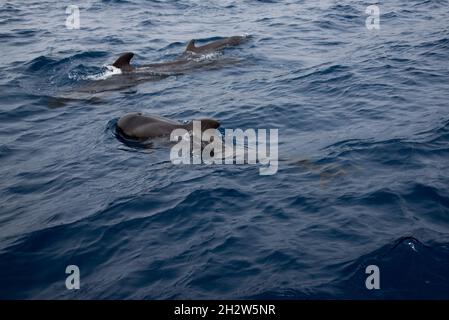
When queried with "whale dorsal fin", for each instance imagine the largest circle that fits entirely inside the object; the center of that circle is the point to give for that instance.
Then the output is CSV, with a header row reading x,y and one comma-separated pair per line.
x,y
123,61
191,46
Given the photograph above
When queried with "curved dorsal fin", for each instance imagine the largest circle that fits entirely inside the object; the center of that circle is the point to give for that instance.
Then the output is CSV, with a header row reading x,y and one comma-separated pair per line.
x,y
123,61
191,46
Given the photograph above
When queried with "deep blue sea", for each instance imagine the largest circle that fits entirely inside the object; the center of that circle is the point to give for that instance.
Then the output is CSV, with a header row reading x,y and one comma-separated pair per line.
x,y
363,179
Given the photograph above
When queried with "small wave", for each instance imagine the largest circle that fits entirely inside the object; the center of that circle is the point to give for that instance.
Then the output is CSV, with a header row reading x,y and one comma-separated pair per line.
x,y
409,267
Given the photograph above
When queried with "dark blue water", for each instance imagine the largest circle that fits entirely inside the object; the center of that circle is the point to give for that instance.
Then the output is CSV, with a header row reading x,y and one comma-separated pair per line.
x,y
363,119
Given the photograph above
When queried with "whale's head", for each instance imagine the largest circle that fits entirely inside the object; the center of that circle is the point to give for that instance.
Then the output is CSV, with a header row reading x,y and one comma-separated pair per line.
x,y
209,124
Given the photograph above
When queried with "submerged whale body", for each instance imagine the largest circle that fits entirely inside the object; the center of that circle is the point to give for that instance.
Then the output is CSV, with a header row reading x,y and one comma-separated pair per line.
x,y
142,127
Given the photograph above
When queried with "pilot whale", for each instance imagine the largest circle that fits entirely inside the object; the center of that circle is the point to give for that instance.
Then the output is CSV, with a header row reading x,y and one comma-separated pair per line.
x,y
139,126
185,61
129,75
216,45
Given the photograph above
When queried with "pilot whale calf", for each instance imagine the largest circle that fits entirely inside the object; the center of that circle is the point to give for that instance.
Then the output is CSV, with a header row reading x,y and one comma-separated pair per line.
x,y
142,127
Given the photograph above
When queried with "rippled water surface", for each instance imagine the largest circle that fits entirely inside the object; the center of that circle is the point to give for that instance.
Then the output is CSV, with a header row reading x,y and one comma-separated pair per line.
x,y
363,119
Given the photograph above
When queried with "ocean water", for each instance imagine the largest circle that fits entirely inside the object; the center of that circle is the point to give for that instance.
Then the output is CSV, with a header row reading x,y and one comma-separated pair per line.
x,y
363,120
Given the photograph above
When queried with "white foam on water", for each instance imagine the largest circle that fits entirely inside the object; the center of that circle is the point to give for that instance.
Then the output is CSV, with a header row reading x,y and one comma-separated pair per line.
x,y
105,74
207,57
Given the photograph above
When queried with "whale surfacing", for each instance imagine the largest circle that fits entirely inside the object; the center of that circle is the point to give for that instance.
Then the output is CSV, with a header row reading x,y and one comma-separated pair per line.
x,y
181,63
142,127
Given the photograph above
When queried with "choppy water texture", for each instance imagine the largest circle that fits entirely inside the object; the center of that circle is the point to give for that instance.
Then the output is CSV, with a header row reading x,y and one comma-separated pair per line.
x,y
364,131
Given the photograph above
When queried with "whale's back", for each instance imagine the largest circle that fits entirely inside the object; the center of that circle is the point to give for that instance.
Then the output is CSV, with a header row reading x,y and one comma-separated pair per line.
x,y
139,126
